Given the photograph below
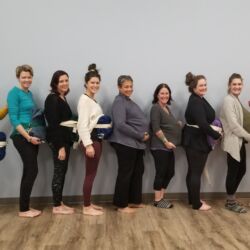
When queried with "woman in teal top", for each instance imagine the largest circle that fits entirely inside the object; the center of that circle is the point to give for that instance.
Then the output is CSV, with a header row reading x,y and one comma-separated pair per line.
x,y
21,105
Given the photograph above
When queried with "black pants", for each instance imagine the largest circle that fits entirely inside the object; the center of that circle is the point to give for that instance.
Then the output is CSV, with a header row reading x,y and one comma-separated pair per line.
x,y
236,170
28,153
164,168
128,188
196,163
60,169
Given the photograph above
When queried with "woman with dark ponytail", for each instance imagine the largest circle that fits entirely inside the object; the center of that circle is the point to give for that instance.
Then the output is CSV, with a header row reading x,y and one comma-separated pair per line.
x,y
199,115
89,111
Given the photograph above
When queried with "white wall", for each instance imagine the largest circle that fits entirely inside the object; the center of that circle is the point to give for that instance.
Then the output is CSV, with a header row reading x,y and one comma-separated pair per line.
x,y
153,41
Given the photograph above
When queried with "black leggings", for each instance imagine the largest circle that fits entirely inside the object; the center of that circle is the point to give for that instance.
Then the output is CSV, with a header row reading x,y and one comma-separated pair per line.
x,y
60,169
28,153
196,163
164,168
236,170
128,188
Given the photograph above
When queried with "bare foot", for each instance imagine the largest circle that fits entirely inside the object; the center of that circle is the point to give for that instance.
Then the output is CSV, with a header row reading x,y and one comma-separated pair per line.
x,y
127,210
96,207
91,211
29,214
205,207
136,205
62,210
67,207
35,210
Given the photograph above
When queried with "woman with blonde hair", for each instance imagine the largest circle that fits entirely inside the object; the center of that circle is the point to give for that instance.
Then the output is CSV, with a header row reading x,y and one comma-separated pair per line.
x,y
21,106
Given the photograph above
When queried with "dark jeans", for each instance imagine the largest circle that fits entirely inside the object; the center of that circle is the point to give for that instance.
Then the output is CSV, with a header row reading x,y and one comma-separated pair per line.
x,y
128,188
60,169
28,153
164,168
91,170
196,163
236,170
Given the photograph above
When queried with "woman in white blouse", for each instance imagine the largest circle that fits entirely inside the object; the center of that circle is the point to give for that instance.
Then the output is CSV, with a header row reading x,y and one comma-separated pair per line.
x,y
89,112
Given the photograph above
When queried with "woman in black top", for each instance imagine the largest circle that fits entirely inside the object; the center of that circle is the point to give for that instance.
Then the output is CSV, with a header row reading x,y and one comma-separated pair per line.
x,y
56,111
199,115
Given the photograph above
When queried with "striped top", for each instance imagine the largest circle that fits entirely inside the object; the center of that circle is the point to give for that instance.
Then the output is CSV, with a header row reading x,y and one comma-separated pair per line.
x,y
21,106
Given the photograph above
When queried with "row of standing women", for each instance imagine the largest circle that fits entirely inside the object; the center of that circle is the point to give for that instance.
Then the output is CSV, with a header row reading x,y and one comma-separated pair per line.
x,y
130,132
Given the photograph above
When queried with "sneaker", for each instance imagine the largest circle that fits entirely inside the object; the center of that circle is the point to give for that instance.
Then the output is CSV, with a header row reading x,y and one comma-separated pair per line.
x,y
235,207
163,203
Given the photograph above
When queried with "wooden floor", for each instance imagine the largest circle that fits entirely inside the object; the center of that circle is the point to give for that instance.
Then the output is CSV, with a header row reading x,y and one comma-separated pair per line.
x,y
150,228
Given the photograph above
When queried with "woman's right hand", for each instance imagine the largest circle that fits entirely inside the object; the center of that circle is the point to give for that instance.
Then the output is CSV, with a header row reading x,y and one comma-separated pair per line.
x,y
169,145
90,151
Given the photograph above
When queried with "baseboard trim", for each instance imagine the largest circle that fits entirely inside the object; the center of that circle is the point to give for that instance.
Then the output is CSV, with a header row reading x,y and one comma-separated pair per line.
x,y
147,198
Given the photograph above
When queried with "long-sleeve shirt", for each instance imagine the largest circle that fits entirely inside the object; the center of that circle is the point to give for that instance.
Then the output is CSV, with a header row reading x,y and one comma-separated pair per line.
x,y
89,111
57,110
129,123
21,106
161,120
231,116
200,113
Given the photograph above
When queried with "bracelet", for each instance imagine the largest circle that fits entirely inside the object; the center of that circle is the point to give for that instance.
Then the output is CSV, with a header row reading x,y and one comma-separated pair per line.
x,y
30,139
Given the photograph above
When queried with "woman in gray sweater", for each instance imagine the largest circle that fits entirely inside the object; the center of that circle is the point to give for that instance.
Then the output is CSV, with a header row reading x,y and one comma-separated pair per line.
x,y
165,137
130,131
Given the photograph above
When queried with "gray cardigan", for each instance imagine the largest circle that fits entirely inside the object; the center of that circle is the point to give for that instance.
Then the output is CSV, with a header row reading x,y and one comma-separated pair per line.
x,y
232,121
129,123
160,120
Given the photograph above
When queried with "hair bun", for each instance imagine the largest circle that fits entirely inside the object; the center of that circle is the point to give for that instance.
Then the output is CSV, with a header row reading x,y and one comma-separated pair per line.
x,y
92,67
189,78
